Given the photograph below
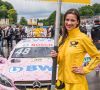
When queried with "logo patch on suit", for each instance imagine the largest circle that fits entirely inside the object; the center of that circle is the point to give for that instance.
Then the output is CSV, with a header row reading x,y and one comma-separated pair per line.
x,y
73,43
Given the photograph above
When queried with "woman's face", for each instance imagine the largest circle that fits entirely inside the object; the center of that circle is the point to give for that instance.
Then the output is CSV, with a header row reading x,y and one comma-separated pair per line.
x,y
71,21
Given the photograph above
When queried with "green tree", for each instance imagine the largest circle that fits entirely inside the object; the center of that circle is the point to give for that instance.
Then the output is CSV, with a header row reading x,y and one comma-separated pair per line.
x,y
44,21
51,19
86,11
8,5
12,15
1,2
3,11
96,8
23,21
7,11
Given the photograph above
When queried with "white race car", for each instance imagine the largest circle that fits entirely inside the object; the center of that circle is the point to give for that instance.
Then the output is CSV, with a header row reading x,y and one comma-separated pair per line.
x,y
30,64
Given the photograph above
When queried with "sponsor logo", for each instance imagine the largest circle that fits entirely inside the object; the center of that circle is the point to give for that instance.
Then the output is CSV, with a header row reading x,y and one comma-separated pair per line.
x,y
36,84
30,68
73,43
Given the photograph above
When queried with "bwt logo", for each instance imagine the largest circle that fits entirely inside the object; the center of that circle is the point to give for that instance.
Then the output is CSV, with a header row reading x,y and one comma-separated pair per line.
x,y
15,69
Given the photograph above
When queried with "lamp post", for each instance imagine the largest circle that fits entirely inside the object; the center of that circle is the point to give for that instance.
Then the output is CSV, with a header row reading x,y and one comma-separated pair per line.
x,y
57,29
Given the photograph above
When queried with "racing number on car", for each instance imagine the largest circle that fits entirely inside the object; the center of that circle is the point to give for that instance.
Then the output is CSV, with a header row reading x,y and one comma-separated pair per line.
x,y
19,51
22,51
26,51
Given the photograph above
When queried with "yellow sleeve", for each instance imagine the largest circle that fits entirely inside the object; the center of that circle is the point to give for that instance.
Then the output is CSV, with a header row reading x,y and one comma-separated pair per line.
x,y
94,54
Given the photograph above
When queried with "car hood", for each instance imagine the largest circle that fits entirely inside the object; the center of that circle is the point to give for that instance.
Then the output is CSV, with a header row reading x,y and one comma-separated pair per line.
x,y
29,69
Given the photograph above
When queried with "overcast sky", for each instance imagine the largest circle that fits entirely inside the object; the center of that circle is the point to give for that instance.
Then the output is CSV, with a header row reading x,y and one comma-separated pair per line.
x,y
37,9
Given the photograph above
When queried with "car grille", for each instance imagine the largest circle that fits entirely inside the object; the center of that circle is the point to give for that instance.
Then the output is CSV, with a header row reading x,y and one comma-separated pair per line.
x,y
32,84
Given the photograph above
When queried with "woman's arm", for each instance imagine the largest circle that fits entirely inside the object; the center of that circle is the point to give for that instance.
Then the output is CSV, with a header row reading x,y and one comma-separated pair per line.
x,y
90,48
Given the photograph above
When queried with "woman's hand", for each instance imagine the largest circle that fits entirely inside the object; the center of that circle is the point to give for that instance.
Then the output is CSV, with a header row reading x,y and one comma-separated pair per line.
x,y
78,70
53,53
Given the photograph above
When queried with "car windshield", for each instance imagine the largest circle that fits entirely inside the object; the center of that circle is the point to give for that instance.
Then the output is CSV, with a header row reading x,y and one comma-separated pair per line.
x,y
31,52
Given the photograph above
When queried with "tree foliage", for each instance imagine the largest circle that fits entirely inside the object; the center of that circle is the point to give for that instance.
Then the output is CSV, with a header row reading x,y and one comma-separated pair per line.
x,y
51,19
86,11
3,10
96,8
23,21
12,15
90,10
7,11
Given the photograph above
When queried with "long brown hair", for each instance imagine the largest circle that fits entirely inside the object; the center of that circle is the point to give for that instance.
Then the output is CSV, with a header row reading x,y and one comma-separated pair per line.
x,y
65,33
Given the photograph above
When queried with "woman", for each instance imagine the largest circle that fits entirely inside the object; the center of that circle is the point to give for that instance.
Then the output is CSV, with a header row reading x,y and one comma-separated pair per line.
x,y
72,48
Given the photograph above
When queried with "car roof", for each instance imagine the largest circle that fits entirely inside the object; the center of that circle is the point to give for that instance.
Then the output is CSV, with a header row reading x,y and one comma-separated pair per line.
x,y
35,42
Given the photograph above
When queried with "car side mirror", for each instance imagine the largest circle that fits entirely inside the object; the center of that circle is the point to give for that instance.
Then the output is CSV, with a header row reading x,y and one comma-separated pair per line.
x,y
15,61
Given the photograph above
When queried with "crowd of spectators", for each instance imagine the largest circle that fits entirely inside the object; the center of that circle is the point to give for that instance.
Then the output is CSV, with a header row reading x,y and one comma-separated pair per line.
x,y
8,34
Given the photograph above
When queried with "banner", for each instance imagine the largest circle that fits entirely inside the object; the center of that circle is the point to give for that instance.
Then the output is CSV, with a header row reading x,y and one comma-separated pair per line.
x,y
72,1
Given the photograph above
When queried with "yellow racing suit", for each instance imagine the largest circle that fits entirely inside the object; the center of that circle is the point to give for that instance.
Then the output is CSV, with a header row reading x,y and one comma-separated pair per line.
x,y
72,53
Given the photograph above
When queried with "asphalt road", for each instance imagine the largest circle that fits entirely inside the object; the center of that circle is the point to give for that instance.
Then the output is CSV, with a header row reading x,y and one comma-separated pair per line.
x,y
94,81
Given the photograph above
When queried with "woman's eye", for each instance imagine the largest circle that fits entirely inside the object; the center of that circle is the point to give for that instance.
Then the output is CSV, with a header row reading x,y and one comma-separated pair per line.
x,y
67,20
72,20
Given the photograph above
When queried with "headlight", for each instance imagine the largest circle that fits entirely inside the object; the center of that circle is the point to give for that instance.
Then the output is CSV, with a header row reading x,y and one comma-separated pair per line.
x,y
5,81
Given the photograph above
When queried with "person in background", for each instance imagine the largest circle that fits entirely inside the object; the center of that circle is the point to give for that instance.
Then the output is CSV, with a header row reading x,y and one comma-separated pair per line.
x,y
9,35
17,34
52,31
73,46
48,32
1,41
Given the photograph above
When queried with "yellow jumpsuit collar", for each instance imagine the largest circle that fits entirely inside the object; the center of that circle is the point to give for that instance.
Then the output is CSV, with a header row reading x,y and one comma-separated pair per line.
x,y
73,32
